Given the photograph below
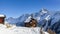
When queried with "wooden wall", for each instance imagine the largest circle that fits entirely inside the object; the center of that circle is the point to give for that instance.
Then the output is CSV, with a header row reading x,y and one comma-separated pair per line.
x,y
1,20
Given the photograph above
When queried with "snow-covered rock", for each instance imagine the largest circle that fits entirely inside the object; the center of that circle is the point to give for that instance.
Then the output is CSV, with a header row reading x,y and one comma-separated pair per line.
x,y
48,17
44,10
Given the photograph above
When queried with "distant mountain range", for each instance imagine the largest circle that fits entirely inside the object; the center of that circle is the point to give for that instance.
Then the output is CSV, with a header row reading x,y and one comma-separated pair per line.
x,y
41,16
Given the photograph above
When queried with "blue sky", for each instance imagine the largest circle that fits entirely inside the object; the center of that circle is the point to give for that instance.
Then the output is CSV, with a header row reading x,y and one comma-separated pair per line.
x,y
15,8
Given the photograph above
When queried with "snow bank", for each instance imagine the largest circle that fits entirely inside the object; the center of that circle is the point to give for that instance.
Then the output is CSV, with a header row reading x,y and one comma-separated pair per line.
x,y
19,30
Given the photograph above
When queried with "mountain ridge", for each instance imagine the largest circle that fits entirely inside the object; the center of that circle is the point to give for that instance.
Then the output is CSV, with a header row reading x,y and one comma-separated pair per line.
x,y
39,16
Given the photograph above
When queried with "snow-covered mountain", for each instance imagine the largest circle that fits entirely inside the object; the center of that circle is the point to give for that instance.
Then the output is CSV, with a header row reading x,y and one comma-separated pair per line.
x,y
41,16
56,17
45,18
11,19
19,19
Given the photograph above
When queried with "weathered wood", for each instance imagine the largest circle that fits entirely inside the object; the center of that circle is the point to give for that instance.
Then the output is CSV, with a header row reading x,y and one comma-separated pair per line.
x,y
2,19
32,23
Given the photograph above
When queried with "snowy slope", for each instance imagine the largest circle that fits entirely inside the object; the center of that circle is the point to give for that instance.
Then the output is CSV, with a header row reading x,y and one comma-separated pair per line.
x,y
56,17
19,30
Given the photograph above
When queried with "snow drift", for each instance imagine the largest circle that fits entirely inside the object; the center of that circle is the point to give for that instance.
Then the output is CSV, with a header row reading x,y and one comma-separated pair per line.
x,y
19,30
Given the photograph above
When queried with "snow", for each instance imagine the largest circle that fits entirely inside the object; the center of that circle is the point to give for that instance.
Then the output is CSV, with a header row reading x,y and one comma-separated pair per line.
x,y
19,30
48,17
1,15
44,11
38,18
28,19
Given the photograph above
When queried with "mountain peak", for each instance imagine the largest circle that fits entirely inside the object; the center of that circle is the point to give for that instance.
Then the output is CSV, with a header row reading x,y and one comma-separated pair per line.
x,y
44,10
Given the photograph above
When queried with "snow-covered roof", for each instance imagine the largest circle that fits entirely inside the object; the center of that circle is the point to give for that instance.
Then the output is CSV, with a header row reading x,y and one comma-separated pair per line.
x,y
28,19
1,15
38,18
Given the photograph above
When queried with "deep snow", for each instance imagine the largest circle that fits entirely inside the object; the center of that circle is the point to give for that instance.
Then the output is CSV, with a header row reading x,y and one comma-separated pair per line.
x,y
19,30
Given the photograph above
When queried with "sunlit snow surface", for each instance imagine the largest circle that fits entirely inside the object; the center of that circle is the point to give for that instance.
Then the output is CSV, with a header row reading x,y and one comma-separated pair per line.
x,y
19,30
28,19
